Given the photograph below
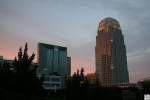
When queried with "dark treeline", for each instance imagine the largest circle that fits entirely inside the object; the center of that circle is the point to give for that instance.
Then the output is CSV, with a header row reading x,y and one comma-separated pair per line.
x,y
78,88
19,78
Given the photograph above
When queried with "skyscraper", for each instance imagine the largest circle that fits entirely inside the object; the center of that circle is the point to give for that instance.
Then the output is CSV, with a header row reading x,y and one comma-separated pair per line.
x,y
110,53
54,65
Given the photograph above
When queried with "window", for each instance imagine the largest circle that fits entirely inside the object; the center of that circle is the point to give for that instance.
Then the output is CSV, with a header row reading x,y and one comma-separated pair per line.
x,y
55,79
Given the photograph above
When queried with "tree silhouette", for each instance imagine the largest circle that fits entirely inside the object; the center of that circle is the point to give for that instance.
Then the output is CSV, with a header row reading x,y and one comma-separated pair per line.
x,y
20,77
77,86
26,79
23,63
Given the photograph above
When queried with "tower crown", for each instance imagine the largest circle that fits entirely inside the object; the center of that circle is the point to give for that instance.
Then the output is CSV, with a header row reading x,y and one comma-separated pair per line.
x,y
108,23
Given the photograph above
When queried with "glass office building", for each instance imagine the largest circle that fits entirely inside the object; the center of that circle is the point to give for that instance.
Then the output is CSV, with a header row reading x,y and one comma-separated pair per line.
x,y
53,65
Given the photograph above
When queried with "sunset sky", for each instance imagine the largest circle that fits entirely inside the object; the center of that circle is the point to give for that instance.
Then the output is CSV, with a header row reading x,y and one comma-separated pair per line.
x,y
73,23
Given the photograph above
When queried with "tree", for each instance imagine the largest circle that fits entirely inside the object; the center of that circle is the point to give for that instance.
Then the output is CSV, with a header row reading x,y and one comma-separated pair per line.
x,y
25,71
77,86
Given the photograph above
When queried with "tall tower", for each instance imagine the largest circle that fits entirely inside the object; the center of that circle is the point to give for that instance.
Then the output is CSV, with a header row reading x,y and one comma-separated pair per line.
x,y
110,53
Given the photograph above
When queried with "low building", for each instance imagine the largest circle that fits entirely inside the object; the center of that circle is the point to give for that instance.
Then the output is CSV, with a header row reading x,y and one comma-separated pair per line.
x,y
53,82
1,57
5,61
92,80
2,61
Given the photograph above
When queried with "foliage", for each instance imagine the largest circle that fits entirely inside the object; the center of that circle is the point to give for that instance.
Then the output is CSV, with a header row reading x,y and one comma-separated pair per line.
x,y
77,86
20,76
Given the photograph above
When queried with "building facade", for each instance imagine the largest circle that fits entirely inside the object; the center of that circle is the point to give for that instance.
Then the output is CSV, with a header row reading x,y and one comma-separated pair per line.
x,y
53,65
1,57
92,80
110,53
3,61
68,66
